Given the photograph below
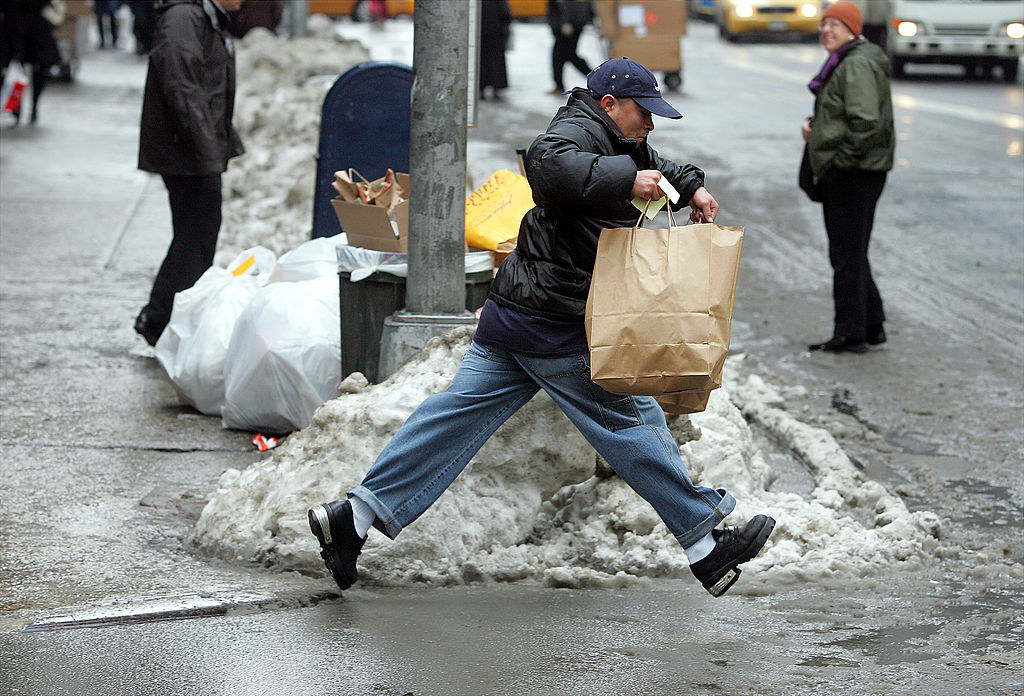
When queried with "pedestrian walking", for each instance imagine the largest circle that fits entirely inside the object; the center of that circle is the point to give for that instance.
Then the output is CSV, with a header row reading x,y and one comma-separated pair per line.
x,y
106,20
186,136
567,19
495,20
26,37
850,145
584,171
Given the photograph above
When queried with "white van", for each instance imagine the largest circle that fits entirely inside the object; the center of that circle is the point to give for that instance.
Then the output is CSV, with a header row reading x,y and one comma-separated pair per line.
x,y
978,34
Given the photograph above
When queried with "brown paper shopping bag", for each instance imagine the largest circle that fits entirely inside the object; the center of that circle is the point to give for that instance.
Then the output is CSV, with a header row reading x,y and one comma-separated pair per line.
x,y
683,402
659,313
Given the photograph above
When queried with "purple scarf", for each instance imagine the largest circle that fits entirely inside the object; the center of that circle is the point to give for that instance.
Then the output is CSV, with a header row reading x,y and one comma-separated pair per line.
x,y
830,65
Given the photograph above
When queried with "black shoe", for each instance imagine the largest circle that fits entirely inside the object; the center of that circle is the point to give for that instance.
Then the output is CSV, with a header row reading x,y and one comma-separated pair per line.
x,y
145,326
840,344
876,335
332,525
733,545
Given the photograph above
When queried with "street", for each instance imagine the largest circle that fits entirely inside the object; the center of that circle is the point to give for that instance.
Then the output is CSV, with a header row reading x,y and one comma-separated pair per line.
x,y
106,469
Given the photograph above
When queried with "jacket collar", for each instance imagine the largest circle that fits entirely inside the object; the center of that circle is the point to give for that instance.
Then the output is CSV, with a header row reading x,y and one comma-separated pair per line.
x,y
581,99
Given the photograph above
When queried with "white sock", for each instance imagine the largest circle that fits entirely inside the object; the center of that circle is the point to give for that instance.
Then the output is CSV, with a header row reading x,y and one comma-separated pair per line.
x,y
700,549
362,516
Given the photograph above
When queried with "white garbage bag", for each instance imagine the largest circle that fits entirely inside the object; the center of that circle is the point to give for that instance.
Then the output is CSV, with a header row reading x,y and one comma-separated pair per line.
x,y
284,359
313,259
361,263
193,346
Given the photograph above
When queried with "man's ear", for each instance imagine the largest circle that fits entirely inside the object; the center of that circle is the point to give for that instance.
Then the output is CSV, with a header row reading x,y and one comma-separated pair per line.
x,y
607,102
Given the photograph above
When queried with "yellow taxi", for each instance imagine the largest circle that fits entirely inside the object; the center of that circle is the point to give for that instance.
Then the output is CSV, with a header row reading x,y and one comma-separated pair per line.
x,y
739,17
359,9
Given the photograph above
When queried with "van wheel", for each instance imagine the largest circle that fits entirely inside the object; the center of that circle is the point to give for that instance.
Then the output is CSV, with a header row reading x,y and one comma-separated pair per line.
x,y
673,80
899,66
1010,68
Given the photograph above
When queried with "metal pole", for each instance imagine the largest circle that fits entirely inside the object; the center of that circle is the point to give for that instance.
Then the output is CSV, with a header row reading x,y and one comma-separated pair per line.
x,y
435,292
298,13
437,159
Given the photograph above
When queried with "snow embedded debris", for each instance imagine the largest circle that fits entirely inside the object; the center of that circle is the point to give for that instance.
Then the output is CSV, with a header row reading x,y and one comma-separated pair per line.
x,y
536,503
281,85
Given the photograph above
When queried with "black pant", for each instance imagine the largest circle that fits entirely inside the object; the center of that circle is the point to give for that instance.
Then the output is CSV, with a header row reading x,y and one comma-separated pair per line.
x,y
195,216
564,51
108,12
850,197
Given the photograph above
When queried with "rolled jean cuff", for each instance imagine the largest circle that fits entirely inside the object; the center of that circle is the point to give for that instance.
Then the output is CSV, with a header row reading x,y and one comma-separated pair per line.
x,y
719,513
385,521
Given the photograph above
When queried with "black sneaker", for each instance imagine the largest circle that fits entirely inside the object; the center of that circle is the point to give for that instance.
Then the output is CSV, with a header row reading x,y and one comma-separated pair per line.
x,y
840,344
332,525
146,326
733,545
876,335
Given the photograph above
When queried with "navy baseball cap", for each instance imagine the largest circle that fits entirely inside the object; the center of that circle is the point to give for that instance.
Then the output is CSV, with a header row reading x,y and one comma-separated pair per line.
x,y
622,77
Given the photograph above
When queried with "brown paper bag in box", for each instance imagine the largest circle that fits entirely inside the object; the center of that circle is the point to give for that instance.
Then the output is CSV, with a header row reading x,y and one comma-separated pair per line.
x,y
659,313
386,191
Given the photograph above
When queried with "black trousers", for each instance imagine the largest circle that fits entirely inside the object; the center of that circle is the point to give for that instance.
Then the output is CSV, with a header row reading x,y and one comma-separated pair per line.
x,y
850,197
195,216
564,51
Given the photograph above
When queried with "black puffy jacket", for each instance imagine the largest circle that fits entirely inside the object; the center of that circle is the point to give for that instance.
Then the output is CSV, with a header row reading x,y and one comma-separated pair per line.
x,y
190,92
582,171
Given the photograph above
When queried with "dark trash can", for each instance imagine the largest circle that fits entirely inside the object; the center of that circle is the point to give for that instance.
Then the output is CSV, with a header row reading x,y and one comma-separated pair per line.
x,y
365,305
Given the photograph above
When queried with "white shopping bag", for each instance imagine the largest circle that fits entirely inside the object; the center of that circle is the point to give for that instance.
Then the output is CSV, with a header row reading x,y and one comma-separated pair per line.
x,y
15,81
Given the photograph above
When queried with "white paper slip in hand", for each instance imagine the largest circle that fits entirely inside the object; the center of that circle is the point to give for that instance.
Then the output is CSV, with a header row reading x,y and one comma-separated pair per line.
x,y
668,189
654,206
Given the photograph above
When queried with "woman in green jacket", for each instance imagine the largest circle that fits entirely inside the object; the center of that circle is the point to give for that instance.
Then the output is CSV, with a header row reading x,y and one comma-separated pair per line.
x,y
850,143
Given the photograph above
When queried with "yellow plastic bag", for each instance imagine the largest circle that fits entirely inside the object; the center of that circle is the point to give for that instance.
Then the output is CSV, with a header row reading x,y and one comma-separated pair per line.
x,y
494,211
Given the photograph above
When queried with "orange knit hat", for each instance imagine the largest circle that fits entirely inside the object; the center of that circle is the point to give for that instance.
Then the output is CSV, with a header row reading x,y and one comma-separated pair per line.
x,y
847,13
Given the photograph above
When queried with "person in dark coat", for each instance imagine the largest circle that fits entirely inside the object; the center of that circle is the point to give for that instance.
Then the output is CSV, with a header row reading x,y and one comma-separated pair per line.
x,y
28,39
567,18
186,136
584,171
495,19
256,13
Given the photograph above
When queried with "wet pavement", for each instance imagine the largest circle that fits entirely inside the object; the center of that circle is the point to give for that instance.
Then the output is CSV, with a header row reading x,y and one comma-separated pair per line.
x,y
105,469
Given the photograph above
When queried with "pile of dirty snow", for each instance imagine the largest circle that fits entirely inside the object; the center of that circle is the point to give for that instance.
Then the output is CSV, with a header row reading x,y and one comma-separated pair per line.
x,y
282,82
536,504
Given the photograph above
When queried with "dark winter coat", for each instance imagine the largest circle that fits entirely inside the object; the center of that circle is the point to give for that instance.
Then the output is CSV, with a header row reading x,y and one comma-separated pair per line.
x,y
853,122
578,13
582,171
190,92
495,18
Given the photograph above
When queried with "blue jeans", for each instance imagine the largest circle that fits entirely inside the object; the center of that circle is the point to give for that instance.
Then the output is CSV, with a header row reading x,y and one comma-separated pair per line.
x,y
437,441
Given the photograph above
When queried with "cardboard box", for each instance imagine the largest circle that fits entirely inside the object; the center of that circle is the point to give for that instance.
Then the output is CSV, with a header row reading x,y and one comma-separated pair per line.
x,y
654,52
641,19
369,227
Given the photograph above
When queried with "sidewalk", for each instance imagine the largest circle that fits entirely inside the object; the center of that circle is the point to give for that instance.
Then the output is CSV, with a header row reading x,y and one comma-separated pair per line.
x,y
104,467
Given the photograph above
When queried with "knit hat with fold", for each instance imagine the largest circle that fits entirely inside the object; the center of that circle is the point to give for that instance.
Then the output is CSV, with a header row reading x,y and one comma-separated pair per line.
x,y
847,13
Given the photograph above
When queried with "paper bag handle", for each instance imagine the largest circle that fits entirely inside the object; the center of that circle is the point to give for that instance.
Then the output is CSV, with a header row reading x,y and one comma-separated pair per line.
x,y
643,213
